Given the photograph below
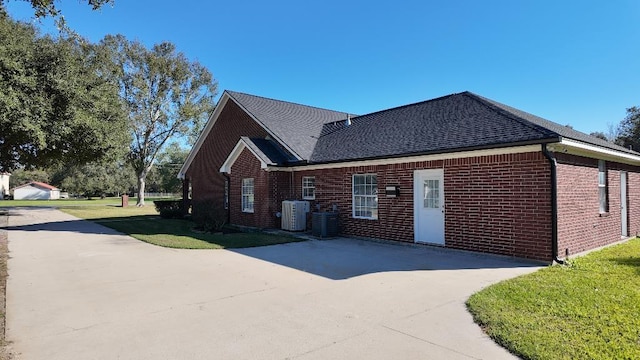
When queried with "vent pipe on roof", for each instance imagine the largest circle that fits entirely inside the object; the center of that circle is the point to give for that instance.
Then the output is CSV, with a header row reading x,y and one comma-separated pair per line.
x,y
348,119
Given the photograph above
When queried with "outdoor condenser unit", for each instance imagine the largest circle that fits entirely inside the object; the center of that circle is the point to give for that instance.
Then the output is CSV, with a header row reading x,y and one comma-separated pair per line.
x,y
294,215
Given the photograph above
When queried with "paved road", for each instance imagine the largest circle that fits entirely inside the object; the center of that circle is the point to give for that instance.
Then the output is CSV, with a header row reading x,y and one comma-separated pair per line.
x,y
78,290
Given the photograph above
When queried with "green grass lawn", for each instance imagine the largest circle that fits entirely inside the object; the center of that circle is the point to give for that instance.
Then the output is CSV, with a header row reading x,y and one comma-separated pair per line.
x,y
73,202
587,310
62,202
143,223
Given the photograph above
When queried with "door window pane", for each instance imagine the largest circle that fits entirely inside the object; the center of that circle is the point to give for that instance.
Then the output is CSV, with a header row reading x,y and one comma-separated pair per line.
x,y
432,194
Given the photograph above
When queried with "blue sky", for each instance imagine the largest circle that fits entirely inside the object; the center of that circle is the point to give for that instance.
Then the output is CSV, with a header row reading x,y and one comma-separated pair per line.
x,y
572,62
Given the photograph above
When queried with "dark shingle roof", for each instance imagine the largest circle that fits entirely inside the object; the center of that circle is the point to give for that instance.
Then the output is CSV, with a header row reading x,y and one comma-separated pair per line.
x,y
297,126
268,151
450,123
561,130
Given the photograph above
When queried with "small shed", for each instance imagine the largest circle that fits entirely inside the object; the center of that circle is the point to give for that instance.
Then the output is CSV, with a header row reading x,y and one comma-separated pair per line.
x,y
4,185
36,191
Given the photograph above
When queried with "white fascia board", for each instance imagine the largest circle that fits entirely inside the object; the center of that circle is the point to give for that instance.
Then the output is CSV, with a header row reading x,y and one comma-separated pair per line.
x,y
205,132
235,154
583,149
408,159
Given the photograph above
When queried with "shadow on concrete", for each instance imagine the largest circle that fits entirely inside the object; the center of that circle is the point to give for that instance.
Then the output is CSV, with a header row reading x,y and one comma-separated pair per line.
x,y
336,259
344,258
77,226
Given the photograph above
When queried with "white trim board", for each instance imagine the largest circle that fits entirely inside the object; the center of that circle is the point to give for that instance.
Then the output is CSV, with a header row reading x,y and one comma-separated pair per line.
x,y
401,160
235,154
203,135
592,151
213,119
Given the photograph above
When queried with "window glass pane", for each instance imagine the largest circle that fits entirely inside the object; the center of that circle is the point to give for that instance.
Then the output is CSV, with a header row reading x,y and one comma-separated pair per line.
x,y
247,195
603,199
365,199
431,194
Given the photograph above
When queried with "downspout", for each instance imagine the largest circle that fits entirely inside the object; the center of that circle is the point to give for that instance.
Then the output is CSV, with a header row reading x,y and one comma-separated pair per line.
x,y
228,195
554,204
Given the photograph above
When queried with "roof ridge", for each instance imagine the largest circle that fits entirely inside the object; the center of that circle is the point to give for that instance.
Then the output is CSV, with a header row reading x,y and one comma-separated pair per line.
x,y
507,113
231,93
407,105
383,111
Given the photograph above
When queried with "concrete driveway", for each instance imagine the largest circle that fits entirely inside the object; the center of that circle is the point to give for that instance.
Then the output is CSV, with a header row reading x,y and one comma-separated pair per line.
x,y
77,290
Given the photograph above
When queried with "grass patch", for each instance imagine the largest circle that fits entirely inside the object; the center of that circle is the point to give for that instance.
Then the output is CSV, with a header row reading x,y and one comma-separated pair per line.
x,y
60,202
113,201
587,310
146,225
89,212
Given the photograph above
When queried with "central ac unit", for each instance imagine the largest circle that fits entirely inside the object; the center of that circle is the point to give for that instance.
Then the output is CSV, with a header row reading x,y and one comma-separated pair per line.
x,y
294,215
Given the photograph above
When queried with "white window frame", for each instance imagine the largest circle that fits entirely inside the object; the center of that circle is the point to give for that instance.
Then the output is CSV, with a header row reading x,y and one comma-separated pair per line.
x,y
248,191
603,189
308,187
373,195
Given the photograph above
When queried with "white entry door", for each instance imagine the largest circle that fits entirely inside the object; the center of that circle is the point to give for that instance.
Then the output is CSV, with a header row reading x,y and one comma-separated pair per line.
x,y
428,205
623,203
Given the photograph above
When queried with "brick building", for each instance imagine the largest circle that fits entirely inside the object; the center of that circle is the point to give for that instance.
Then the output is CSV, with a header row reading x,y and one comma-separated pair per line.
x,y
460,171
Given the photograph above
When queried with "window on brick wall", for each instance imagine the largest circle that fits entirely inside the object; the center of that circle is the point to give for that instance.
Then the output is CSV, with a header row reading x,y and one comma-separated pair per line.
x,y
308,187
247,195
226,194
365,196
602,186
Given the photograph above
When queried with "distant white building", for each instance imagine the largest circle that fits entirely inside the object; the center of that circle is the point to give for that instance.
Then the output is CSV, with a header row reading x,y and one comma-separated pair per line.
x,y
36,191
4,185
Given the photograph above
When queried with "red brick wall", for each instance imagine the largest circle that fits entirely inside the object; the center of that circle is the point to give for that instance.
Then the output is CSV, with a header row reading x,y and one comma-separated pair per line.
x,y
580,225
204,173
263,216
633,202
499,204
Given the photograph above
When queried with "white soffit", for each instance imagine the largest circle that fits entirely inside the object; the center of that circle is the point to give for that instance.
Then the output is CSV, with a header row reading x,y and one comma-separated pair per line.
x,y
587,150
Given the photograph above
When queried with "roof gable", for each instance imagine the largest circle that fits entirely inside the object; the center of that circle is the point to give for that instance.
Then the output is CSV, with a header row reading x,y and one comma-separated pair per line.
x,y
295,126
265,150
37,184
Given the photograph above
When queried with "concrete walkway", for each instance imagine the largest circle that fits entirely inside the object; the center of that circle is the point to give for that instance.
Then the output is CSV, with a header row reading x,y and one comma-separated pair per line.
x,y
78,290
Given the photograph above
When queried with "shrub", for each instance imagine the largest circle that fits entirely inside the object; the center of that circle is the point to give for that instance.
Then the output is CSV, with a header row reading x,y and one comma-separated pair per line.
x,y
169,209
208,215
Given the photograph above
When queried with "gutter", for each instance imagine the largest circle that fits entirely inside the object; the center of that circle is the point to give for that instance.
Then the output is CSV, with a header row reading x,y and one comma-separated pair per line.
x,y
554,204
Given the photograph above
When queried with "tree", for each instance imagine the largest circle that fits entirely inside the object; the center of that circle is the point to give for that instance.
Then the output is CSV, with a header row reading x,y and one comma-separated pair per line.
x,y
629,129
22,176
600,135
97,179
44,8
165,96
55,105
164,174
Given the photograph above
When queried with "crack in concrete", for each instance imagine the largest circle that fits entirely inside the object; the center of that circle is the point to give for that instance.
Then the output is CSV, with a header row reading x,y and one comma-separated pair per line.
x,y
430,342
327,345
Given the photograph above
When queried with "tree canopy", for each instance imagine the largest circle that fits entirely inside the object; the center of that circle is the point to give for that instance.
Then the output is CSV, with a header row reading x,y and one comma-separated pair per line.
x,y
629,129
55,104
165,96
44,8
